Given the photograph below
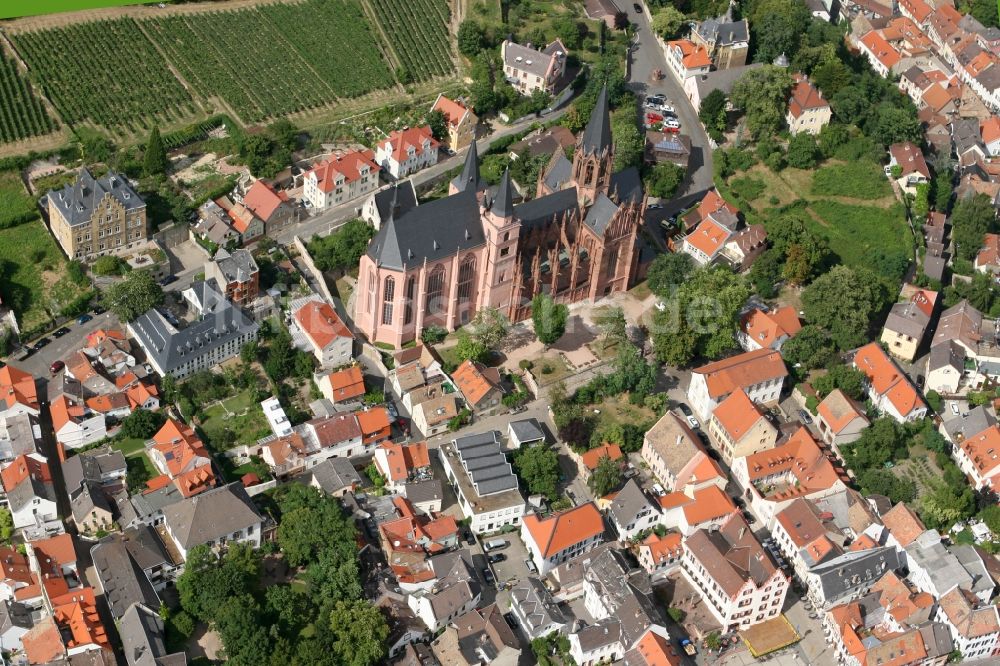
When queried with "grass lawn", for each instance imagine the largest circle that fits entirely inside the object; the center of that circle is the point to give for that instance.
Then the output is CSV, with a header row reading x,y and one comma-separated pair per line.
x,y
245,420
15,203
641,291
33,277
343,287
617,409
855,213
15,9
129,446
555,363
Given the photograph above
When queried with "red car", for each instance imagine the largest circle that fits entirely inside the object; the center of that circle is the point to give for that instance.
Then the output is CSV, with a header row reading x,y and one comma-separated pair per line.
x,y
56,366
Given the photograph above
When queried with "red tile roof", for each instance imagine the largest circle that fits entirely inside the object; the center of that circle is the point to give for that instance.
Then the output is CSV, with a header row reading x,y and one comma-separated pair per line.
x,y
592,458
707,504
17,387
693,55
374,424
320,322
402,140
838,411
656,650
990,129
262,200
990,254
405,458
63,410
741,371
179,445
349,165
887,379
476,381
805,96
765,328
453,111
737,414
55,552
708,237
346,384
564,529
881,49
909,158
21,468
903,524
801,457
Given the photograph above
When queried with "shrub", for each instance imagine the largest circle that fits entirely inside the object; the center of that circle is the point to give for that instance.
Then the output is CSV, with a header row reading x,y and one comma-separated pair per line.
x,y
525,364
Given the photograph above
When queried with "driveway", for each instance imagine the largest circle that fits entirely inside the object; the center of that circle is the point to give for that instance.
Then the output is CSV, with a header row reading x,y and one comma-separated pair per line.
x,y
39,362
647,56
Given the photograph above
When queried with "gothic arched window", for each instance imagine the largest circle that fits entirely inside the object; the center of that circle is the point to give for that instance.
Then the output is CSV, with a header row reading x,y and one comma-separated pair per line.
x,y
388,293
466,278
435,286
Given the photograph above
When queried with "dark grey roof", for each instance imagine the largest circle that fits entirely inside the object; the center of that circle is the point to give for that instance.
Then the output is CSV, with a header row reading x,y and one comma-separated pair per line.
x,y
485,463
210,515
237,266
405,199
503,203
122,579
629,503
989,78
626,186
541,210
436,230
947,354
424,491
14,614
600,214
145,547
967,135
77,201
85,499
559,172
91,466
934,267
597,135
977,420
722,79
535,606
854,570
172,348
469,178
141,631
937,639
528,59
527,430
907,318
721,32
335,474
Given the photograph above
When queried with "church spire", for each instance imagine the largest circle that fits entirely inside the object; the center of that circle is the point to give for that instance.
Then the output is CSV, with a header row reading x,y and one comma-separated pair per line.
x,y
597,135
470,172
503,204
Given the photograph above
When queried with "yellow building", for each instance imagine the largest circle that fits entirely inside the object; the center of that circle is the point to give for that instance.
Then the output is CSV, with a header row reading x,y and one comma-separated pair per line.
x,y
97,216
461,122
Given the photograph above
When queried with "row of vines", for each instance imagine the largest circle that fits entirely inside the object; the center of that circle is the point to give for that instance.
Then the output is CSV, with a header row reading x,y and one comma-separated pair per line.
x,y
262,62
105,72
22,114
418,31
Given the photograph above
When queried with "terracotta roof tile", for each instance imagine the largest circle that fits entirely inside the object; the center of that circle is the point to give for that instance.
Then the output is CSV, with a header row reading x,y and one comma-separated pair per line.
x,y
17,387
742,371
346,384
838,411
563,529
262,200
737,414
765,328
321,323
903,524
348,166
476,381
592,458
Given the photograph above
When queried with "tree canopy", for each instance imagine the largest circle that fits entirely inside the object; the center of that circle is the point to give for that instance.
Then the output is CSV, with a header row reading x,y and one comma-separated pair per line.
x,y
342,249
538,467
762,95
154,160
668,271
844,301
549,318
971,219
134,295
607,477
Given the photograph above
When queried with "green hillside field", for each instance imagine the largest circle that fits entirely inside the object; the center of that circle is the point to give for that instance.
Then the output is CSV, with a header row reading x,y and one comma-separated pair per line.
x,y
18,8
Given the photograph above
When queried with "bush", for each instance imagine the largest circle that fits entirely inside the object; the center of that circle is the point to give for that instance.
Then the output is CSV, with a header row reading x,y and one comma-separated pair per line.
x,y
676,614
433,335
525,364
934,400
775,162
109,265
747,188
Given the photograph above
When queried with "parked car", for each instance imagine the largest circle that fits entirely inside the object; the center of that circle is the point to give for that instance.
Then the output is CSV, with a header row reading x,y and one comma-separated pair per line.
x,y
693,422
685,410
99,310
637,7
488,576
656,99
920,381
672,123
56,366
531,565
470,538
168,280
954,408
495,544
41,343
61,332
83,319
498,557
654,206
804,417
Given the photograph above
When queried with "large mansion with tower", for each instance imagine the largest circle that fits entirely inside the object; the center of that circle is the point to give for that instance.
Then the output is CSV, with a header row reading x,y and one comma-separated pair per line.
x,y
437,264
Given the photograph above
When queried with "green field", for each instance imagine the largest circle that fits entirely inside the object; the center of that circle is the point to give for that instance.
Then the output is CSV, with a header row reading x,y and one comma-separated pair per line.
x,y
16,205
239,415
855,231
33,277
18,8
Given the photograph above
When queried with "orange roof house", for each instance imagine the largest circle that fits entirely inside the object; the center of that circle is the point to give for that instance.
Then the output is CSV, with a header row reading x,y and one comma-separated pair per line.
x,y
903,524
692,56
805,97
889,389
739,424
760,329
551,540
397,462
592,458
655,550
707,240
43,642
709,504
343,170
988,258
56,555
329,336
480,385
24,467
454,112
375,425
176,449
910,159
744,371
794,468
841,419
990,131
17,388
263,201
982,451
343,385
653,649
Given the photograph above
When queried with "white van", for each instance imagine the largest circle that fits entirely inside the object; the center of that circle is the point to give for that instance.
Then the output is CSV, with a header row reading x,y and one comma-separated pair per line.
x,y
495,544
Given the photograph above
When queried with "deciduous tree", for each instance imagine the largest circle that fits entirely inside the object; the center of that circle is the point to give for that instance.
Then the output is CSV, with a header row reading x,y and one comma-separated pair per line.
x,y
844,301
549,318
359,633
538,467
762,95
607,477
133,296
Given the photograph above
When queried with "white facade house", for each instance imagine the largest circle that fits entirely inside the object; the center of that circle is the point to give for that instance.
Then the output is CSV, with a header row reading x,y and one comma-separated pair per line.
x,y
738,598
407,151
75,424
528,70
561,536
276,417
974,627
632,511
888,387
31,496
328,337
760,373
341,178
488,495
216,518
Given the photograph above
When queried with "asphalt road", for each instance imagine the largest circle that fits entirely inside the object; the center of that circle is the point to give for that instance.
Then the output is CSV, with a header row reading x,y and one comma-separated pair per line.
x,y
39,362
647,56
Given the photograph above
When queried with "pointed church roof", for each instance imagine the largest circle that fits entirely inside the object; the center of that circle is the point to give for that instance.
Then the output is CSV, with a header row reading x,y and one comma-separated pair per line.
x,y
503,204
470,172
597,135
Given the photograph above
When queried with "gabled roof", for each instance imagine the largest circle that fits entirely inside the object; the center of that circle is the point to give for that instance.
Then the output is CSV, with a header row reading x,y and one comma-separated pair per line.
x,y
738,414
400,142
320,322
343,169
629,501
731,556
805,97
346,384
592,458
454,112
970,621
708,503
17,387
263,201
989,255
903,524
839,411
765,328
881,49
405,458
692,55
708,237
476,381
742,371
653,649
673,441
990,129
909,158
23,468
210,515
78,200
597,135
179,445
563,529
887,379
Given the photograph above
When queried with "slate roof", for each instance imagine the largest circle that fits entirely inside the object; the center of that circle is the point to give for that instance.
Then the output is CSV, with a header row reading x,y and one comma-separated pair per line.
x,y
629,501
335,474
597,135
536,605
503,203
720,32
559,172
141,631
212,514
14,614
429,232
405,199
77,200
122,579
527,430
237,266
171,348
470,171
541,210
600,214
